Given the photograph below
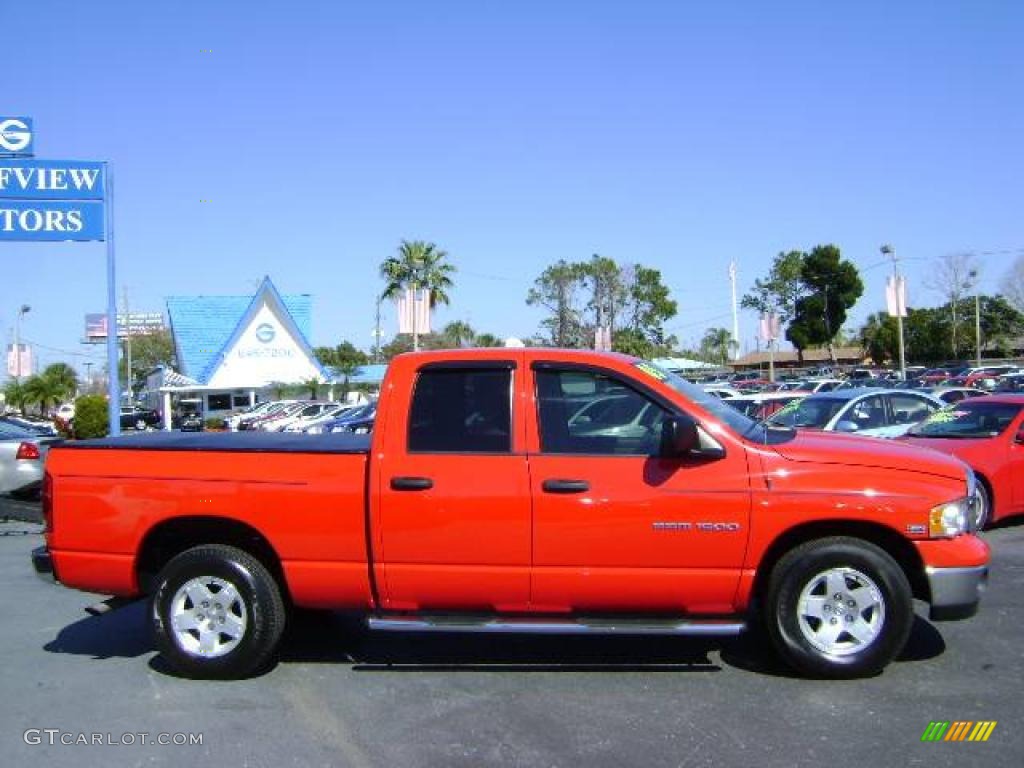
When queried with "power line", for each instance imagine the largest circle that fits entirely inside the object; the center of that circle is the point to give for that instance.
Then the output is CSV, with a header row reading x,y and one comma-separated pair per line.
x,y
93,355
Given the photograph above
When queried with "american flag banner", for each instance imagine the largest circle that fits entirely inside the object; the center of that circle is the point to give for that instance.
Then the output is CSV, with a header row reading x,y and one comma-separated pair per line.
x,y
896,296
414,311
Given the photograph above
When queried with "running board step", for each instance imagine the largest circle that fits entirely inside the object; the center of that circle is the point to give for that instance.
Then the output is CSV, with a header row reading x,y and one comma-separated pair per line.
x,y
581,626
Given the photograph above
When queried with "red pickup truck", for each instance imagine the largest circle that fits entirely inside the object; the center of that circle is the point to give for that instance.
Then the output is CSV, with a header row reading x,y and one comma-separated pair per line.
x,y
522,490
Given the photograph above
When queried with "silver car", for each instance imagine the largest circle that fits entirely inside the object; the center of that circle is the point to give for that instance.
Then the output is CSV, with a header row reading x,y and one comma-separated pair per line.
x,y
22,455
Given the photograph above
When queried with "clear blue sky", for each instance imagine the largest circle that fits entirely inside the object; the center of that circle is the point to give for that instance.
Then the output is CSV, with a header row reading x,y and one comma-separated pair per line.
x,y
679,135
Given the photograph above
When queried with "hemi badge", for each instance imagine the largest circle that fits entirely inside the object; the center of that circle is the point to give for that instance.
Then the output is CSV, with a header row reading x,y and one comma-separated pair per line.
x,y
917,530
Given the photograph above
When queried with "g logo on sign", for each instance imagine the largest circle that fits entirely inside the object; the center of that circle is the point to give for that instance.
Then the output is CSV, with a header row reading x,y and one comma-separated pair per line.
x,y
265,333
15,135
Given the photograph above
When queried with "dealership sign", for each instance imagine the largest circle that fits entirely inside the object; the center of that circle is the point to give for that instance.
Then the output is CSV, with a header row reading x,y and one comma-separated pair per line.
x,y
45,200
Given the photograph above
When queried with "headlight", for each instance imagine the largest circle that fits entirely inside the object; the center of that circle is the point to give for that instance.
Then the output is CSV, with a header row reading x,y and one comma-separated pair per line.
x,y
950,519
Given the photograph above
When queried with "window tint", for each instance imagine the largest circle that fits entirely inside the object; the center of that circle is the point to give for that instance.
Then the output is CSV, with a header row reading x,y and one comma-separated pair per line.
x,y
907,409
583,412
868,413
462,411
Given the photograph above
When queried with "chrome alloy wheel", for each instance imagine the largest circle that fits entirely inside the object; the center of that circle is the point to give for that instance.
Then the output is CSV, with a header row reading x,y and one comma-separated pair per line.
x,y
841,611
208,617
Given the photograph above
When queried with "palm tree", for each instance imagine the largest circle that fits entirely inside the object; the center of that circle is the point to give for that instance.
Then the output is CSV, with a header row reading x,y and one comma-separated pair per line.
x,y
64,377
717,340
418,265
14,395
43,390
487,340
459,334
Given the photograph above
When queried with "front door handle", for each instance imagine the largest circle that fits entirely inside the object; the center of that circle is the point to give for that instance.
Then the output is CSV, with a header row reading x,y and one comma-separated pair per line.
x,y
565,486
411,483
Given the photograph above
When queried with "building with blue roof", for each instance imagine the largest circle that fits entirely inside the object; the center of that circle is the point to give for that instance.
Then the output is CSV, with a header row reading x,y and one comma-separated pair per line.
x,y
232,350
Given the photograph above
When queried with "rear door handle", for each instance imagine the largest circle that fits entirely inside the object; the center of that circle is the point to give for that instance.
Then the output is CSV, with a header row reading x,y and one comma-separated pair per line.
x,y
411,483
565,486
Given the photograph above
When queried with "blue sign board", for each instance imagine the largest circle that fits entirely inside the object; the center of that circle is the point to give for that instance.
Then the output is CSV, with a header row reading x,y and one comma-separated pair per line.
x,y
22,179
51,220
16,137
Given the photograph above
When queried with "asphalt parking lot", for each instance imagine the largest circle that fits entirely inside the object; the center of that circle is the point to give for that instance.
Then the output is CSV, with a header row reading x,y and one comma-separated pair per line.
x,y
344,697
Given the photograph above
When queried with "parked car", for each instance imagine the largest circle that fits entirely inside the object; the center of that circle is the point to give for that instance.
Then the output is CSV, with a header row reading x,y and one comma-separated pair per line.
x,y
22,457
866,411
232,421
988,434
306,414
339,410
1011,382
139,419
35,426
338,424
478,510
763,404
251,420
948,394
721,391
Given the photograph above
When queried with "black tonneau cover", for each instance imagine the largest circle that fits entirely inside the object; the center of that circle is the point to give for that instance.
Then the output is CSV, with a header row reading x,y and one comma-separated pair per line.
x,y
231,442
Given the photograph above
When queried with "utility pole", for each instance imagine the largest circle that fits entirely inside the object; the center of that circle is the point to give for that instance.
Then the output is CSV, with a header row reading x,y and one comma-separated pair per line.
x,y
735,309
376,332
22,310
128,345
973,274
88,377
901,303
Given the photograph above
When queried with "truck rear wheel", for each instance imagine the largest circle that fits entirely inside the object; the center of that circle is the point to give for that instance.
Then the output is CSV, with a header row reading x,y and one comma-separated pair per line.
x,y
217,613
838,608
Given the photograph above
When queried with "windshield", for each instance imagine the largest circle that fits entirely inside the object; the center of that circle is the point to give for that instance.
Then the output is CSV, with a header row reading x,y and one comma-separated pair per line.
x,y
809,413
968,418
757,431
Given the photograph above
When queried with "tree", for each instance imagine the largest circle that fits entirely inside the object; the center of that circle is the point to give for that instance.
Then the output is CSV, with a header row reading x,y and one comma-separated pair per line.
x,y
953,276
832,285
778,293
557,290
487,340
647,309
418,265
149,350
607,292
65,378
1013,284
92,418
879,337
716,344
459,334
43,391
14,394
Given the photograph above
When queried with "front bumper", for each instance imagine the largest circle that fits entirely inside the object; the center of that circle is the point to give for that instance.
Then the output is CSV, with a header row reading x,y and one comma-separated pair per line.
x,y
955,592
42,561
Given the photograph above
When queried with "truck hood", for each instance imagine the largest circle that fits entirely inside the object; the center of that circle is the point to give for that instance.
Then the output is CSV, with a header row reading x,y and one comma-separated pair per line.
x,y
874,452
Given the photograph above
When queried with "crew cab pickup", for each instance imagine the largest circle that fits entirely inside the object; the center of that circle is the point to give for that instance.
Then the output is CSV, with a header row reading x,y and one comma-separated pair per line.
x,y
522,490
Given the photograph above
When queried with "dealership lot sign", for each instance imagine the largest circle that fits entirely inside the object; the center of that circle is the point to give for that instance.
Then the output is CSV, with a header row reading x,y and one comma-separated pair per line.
x,y
46,200
60,200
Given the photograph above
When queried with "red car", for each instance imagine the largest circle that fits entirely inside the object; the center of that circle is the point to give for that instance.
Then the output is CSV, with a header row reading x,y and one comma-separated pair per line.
x,y
987,433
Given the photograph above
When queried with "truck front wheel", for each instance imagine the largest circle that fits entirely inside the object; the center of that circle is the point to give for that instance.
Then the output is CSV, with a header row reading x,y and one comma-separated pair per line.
x,y
838,608
217,613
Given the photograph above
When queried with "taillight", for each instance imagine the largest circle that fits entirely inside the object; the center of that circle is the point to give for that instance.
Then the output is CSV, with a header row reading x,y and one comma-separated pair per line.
x,y
27,451
47,503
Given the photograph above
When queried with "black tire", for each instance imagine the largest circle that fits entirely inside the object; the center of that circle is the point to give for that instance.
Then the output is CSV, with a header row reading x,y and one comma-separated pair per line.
x,y
805,642
258,609
984,515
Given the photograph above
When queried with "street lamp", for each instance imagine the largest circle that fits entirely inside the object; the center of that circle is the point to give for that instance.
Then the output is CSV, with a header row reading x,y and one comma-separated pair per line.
x,y
24,309
973,275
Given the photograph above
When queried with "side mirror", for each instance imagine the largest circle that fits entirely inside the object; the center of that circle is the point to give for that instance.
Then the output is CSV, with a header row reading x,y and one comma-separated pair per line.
x,y
847,426
678,437
1020,435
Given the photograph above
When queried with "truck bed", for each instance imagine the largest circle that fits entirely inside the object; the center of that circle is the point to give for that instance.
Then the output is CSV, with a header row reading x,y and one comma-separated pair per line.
x,y
230,442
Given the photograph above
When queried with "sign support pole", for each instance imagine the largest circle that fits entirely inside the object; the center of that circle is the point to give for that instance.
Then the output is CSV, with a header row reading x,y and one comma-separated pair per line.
x,y
113,379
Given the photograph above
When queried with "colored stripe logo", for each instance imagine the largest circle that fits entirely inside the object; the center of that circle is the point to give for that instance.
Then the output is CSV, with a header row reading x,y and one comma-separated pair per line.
x,y
959,730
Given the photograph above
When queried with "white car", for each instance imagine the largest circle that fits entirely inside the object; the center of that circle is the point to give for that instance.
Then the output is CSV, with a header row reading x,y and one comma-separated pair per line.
x,y
865,411
338,410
